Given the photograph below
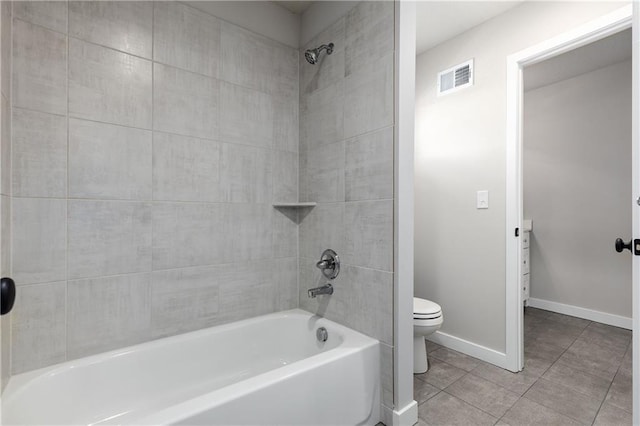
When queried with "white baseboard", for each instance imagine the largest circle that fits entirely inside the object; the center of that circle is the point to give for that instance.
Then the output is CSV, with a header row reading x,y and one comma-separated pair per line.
x,y
386,415
407,416
469,348
576,311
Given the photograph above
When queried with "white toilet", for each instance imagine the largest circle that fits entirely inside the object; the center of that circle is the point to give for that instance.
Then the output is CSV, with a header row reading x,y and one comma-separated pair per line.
x,y
427,318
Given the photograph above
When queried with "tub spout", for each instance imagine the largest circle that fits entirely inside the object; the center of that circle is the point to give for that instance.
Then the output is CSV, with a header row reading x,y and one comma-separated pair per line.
x,y
325,289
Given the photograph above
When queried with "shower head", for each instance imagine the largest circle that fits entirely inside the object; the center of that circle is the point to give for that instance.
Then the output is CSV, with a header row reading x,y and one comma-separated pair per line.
x,y
312,55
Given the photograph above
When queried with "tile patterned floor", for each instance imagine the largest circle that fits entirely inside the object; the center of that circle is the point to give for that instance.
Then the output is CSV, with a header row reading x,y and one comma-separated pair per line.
x,y
577,372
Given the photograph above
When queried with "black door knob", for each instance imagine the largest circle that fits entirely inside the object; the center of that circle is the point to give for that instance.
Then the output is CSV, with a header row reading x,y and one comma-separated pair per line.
x,y
621,245
7,295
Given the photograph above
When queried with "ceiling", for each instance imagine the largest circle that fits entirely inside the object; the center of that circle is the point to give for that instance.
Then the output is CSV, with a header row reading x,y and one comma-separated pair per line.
x,y
438,21
296,7
608,51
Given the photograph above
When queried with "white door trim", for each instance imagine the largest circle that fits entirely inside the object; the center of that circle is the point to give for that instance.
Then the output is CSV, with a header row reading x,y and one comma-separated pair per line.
x,y
588,33
405,409
635,188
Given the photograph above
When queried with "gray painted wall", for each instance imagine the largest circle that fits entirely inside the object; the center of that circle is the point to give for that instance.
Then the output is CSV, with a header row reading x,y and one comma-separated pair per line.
x,y
143,187
460,148
5,182
577,187
346,166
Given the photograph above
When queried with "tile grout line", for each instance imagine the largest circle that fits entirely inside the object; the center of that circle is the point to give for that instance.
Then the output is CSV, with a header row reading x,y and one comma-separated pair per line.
x,y
462,400
468,403
611,384
540,377
151,129
547,369
605,396
480,408
473,405
522,395
557,360
66,222
152,171
151,59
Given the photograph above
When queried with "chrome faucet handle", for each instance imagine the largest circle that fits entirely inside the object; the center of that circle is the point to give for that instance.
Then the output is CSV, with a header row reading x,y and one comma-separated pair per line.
x,y
329,264
324,264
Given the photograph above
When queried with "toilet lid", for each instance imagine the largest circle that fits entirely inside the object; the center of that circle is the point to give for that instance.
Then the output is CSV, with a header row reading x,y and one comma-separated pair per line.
x,y
425,309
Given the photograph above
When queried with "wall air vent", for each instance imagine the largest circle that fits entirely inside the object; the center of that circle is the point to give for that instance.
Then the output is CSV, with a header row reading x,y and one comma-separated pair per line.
x,y
455,78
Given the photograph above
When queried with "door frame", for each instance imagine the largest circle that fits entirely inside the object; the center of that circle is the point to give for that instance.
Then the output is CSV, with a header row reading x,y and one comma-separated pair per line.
x,y
405,409
590,32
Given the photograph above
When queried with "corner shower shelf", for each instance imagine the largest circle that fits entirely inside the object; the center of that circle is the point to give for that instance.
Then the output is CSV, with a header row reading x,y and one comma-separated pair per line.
x,y
294,205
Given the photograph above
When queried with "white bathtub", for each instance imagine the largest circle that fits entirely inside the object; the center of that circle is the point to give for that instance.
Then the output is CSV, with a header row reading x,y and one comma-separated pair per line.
x,y
265,370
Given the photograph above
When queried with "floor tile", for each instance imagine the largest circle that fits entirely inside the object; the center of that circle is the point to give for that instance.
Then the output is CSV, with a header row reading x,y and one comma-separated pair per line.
x,y
441,374
537,315
445,409
593,358
569,320
531,322
544,350
527,412
611,337
627,361
556,333
612,416
535,366
568,378
610,330
530,312
423,390
620,394
455,358
432,346
579,381
483,394
515,382
564,400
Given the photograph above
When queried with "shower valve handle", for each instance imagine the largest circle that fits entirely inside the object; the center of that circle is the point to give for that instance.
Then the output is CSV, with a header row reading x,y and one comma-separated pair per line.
x,y
324,264
329,264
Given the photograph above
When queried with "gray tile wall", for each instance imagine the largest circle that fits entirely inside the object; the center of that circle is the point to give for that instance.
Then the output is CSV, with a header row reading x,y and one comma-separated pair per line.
x,y
148,148
5,181
346,166
146,159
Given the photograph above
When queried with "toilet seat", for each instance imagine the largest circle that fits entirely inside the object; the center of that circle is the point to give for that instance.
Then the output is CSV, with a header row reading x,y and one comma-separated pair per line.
x,y
427,319
424,309
427,323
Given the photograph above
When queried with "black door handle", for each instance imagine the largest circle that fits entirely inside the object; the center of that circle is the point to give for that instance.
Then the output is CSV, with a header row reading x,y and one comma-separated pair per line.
x,y
621,245
7,295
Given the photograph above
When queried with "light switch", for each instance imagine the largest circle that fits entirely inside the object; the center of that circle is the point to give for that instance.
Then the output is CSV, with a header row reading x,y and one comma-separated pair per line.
x,y
482,199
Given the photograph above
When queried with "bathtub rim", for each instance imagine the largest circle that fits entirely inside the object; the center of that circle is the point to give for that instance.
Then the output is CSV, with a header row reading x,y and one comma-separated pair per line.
x,y
352,341
197,405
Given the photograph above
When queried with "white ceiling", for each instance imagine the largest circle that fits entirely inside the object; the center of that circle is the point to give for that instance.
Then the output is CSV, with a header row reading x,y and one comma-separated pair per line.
x,y
602,53
438,21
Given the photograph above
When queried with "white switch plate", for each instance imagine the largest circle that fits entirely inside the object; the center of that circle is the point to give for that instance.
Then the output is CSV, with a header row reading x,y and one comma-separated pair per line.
x,y
482,199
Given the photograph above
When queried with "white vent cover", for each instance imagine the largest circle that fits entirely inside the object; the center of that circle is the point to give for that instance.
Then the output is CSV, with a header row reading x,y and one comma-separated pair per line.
x,y
455,78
